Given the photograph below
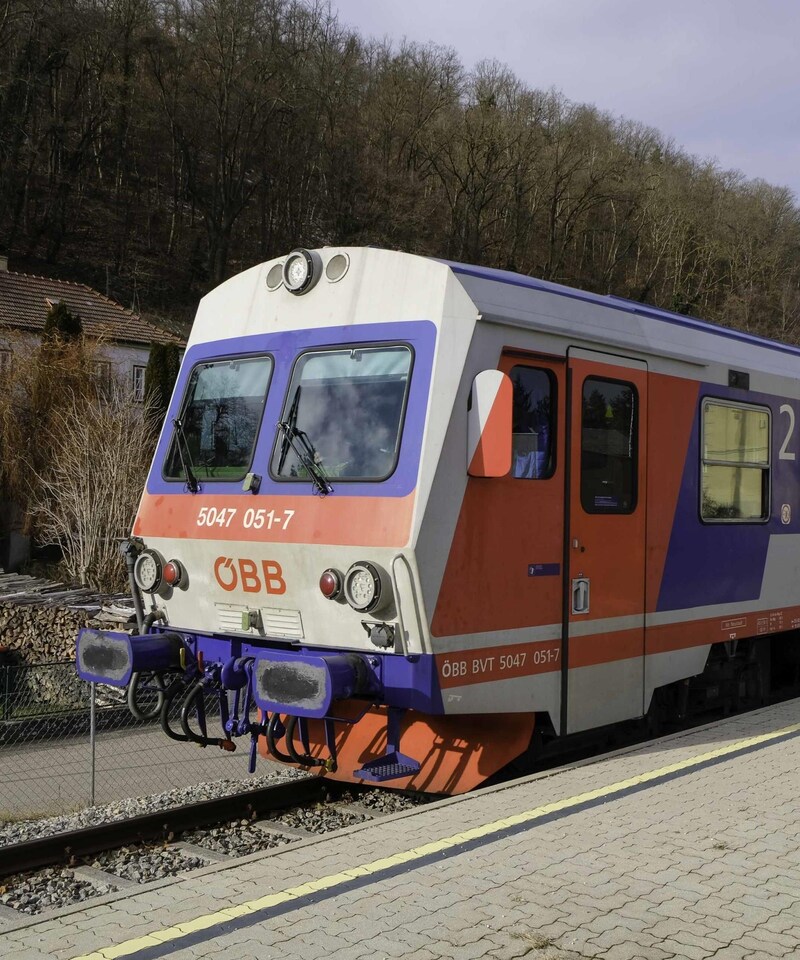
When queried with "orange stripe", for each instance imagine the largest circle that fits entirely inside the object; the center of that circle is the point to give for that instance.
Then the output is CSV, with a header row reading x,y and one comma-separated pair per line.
x,y
696,633
336,519
588,651
488,664
466,667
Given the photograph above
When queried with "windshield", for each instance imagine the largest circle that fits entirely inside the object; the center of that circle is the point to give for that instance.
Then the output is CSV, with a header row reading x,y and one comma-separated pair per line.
x,y
219,419
346,408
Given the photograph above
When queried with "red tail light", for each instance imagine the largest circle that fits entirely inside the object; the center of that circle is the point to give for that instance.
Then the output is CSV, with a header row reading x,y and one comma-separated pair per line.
x,y
330,584
173,573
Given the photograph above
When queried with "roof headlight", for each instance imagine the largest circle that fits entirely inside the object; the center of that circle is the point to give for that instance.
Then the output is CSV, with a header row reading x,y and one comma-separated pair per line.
x,y
275,276
337,267
301,270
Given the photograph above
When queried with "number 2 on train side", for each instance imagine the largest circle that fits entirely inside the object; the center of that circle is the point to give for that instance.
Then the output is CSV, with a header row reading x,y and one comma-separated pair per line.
x,y
785,454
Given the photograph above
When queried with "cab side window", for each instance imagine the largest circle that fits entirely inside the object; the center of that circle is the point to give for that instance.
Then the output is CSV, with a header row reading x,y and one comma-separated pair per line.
x,y
533,430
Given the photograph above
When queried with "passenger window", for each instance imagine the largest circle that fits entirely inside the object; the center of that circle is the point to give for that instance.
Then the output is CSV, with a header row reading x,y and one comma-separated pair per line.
x,y
533,447
608,446
736,462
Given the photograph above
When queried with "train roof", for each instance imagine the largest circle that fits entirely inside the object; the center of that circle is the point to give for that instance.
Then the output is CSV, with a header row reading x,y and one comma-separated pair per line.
x,y
411,286
696,340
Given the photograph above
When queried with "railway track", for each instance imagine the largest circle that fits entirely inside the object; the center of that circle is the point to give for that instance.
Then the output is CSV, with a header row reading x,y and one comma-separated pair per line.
x,y
163,825
178,838
41,875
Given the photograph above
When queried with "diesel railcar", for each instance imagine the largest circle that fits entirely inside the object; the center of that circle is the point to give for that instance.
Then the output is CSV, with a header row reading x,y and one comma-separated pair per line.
x,y
408,516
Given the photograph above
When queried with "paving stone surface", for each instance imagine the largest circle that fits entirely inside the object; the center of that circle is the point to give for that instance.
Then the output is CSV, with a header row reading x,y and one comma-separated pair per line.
x,y
706,864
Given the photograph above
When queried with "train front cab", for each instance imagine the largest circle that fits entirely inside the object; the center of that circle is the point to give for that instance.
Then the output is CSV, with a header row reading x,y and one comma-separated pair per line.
x,y
551,551
277,552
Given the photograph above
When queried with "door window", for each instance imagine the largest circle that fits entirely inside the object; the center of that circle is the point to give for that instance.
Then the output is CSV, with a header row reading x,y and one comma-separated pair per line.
x,y
608,446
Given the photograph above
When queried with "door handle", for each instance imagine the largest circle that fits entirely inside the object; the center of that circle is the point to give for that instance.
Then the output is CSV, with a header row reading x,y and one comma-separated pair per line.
x,y
580,595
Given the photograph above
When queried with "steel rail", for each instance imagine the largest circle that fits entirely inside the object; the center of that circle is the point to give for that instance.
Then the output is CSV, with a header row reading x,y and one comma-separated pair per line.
x,y
66,848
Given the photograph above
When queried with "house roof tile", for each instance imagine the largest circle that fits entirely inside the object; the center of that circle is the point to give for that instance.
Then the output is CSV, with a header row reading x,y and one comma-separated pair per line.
x,y
24,301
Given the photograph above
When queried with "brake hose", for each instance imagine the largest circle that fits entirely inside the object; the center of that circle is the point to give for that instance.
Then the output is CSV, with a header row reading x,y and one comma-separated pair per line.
x,y
169,695
133,705
274,720
202,739
305,760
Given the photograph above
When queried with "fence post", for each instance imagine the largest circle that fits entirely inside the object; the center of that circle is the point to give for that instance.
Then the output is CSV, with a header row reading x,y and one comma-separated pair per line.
x,y
92,737
6,691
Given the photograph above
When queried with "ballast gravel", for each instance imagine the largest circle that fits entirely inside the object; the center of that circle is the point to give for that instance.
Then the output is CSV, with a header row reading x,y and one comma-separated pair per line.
x,y
318,819
23,830
145,862
48,889
383,802
237,838
55,887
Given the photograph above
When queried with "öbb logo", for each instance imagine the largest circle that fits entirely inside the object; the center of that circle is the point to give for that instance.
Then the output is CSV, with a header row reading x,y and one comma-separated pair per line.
x,y
231,574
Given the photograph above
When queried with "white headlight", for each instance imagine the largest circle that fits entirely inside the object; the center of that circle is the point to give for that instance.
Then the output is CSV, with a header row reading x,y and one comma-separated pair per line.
x,y
148,570
362,586
296,272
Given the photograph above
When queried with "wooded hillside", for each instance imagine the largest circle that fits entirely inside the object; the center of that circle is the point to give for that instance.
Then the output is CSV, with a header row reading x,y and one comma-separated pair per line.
x,y
154,147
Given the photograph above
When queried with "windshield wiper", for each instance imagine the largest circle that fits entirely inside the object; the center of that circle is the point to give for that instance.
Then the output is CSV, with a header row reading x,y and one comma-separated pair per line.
x,y
306,454
289,426
183,446
303,448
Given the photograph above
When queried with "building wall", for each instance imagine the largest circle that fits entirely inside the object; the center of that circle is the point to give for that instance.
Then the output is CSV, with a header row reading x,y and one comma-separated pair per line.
x,y
122,358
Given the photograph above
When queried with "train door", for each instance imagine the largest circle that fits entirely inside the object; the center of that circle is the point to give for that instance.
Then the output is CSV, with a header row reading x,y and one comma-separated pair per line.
x,y
532,498
604,602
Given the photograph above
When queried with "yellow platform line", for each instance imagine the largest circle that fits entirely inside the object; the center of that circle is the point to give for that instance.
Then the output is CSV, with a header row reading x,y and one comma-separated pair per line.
x,y
158,937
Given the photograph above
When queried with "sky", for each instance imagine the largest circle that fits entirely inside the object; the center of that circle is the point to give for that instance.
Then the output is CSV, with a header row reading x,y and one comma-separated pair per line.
x,y
721,78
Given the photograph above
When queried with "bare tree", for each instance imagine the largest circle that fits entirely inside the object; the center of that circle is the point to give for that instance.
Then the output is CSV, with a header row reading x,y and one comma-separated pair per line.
x,y
153,146
221,69
86,498
40,377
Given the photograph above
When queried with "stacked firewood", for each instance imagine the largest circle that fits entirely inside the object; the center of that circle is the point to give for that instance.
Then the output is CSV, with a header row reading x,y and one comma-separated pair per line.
x,y
40,619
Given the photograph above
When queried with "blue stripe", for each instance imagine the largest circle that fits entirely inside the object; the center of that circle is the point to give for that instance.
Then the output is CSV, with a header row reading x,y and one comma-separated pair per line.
x,y
285,346
718,563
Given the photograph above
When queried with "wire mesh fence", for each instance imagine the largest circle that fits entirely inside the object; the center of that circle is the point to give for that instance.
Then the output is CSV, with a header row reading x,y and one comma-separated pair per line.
x,y
66,744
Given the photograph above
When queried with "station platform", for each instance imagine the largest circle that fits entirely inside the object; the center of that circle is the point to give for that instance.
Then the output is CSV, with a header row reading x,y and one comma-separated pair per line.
x,y
683,847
